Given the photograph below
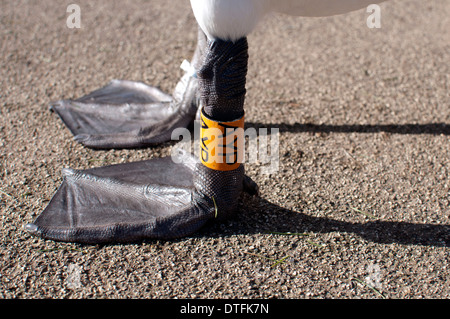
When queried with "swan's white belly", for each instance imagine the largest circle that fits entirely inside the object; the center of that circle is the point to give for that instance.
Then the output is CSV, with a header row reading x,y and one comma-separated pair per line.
x,y
229,19
234,19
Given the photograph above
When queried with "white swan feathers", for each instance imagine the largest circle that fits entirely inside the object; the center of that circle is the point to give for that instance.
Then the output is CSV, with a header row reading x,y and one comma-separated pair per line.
x,y
234,19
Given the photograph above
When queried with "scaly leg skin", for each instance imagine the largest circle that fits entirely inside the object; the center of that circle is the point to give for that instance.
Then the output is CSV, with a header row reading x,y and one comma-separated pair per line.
x,y
158,198
126,114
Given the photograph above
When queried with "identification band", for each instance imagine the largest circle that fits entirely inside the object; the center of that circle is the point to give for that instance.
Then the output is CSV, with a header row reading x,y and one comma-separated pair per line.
x,y
221,143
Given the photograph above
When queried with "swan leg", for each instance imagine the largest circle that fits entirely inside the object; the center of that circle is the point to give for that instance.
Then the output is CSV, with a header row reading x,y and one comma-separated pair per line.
x,y
160,198
126,114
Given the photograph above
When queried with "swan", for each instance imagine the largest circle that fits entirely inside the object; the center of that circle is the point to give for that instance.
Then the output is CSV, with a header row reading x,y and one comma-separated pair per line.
x,y
165,198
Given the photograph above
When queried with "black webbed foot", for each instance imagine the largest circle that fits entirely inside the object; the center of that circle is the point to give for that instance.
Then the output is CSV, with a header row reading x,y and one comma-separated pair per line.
x,y
126,114
128,202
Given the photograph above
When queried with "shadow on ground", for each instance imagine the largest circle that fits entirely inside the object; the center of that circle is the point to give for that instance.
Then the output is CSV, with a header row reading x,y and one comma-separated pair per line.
x,y
258,216
431,128
261,216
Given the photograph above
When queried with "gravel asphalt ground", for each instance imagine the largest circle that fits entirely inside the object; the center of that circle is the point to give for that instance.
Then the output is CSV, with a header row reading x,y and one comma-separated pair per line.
x,y
359,206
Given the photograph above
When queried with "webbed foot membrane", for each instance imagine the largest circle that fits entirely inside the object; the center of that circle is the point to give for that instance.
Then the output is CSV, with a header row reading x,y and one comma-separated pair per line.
x,y
167,197
126,114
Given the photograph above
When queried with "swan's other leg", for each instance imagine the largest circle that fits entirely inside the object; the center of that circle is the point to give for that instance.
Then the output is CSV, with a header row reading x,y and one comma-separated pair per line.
x,y
126,114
